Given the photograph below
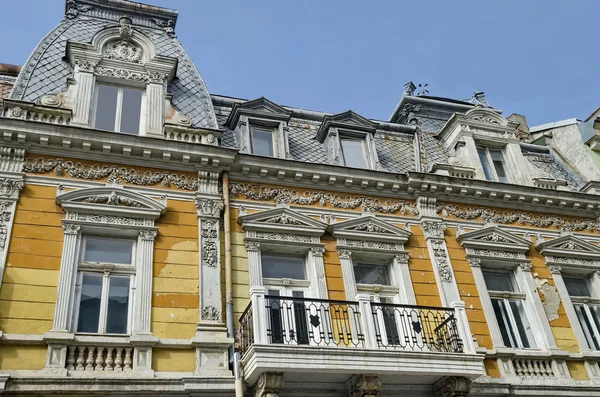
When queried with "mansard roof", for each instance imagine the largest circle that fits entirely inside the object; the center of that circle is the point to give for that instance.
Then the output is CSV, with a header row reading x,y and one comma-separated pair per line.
x,y
46,72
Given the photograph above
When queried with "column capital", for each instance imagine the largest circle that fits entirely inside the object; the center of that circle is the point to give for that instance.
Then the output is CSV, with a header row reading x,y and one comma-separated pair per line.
x,y
362,385
148,235
474,262
452,386
252,246
401,258
526,266
269,384
208,208
317,251
433,229
344,254
71,228
554,269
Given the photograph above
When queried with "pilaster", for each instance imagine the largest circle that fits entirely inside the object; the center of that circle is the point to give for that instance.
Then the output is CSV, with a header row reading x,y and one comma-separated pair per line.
x,y
155,99
86,80
363,385
65,278
348,273
316,255
143,282
9,195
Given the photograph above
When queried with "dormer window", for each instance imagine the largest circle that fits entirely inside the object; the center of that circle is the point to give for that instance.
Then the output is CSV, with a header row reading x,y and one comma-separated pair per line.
x,y
118,109
353,152
262,141
492,162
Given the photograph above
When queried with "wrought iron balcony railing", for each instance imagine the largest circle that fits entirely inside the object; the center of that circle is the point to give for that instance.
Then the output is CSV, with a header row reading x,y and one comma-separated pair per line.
x,y
330,323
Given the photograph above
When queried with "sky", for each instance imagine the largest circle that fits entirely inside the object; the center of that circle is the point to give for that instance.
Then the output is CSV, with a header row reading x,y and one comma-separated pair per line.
x,y
539,58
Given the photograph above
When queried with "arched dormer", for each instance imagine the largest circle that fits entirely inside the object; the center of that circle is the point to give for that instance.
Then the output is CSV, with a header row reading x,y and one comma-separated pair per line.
x,y
486,142
121,82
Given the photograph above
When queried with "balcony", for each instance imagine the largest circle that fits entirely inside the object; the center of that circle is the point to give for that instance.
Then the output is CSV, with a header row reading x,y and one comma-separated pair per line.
x,y
406,345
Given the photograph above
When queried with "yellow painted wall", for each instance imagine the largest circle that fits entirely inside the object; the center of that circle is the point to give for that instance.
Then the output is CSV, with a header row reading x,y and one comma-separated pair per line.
x,y
28,291
174,360
577,370
561,327
15,357
421,269
175,273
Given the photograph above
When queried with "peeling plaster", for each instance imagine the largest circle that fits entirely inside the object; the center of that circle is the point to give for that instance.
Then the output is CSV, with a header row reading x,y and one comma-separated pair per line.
x,y
549,296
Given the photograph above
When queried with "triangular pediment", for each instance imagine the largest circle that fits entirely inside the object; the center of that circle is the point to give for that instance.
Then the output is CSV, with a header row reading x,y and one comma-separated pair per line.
x,y
495,238
369,227
568,245
260,107
110,200
282,220
349,120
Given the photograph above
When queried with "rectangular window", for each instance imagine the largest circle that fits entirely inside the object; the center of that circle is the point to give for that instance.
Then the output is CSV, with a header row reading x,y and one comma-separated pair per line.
x,y
262,141
371,274
118,109
353,152
492,162
586,308
283,266
104,289
508,303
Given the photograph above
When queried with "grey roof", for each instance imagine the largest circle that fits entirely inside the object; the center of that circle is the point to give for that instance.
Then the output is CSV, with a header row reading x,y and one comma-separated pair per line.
x,y
549,166
46,71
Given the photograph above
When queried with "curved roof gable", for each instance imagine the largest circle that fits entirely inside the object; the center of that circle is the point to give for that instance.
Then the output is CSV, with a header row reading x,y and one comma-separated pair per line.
x,y
46,71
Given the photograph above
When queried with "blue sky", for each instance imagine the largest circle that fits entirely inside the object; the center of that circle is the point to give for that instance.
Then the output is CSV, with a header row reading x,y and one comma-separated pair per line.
x,y
538,58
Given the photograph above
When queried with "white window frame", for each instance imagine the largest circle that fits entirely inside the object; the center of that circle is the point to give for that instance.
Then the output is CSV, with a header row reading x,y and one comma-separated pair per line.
x,y
490,161
119,106
106,270
506,297
585,302
274,138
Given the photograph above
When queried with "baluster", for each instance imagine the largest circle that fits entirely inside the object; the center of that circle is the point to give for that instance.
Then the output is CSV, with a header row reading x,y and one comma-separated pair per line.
x,y
518,367
549,368
545,368
118,359
127,361
99,359
530,371
536,368
89,362
109,359
80,358
71,358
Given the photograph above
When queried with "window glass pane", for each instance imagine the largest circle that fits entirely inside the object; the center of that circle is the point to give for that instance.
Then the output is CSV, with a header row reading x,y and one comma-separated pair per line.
x,y
498,161
108,250
595,312
131,111
503,322
283,266
106,107
371,274
487,169
118,305
353,153
262,142
576,286
523,326
89,303
498,281
586,326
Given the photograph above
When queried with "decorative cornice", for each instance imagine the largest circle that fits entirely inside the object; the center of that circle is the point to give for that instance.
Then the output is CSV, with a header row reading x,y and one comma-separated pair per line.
x,y
290,196
98,171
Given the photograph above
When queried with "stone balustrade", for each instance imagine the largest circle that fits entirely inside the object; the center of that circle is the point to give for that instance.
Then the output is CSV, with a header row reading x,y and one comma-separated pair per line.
x,y
40,113
533,368
99,358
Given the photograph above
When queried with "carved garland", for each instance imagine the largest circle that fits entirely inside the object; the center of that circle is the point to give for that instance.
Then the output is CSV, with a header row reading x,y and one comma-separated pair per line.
x,y
284,196
209,243
96,171
508,217
439,253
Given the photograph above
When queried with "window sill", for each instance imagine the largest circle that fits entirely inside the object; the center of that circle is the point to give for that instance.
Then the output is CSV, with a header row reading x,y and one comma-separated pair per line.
x,y
501,351
112,339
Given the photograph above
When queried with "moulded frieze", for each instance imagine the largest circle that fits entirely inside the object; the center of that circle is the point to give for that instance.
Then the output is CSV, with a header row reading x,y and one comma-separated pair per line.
x,y
495,253
282,237
371,245
522,218
107,219
125,74
98,171
288,196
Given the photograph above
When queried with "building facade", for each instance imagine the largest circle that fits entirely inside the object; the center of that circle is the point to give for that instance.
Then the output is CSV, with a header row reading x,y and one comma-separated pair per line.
x,y
157,239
